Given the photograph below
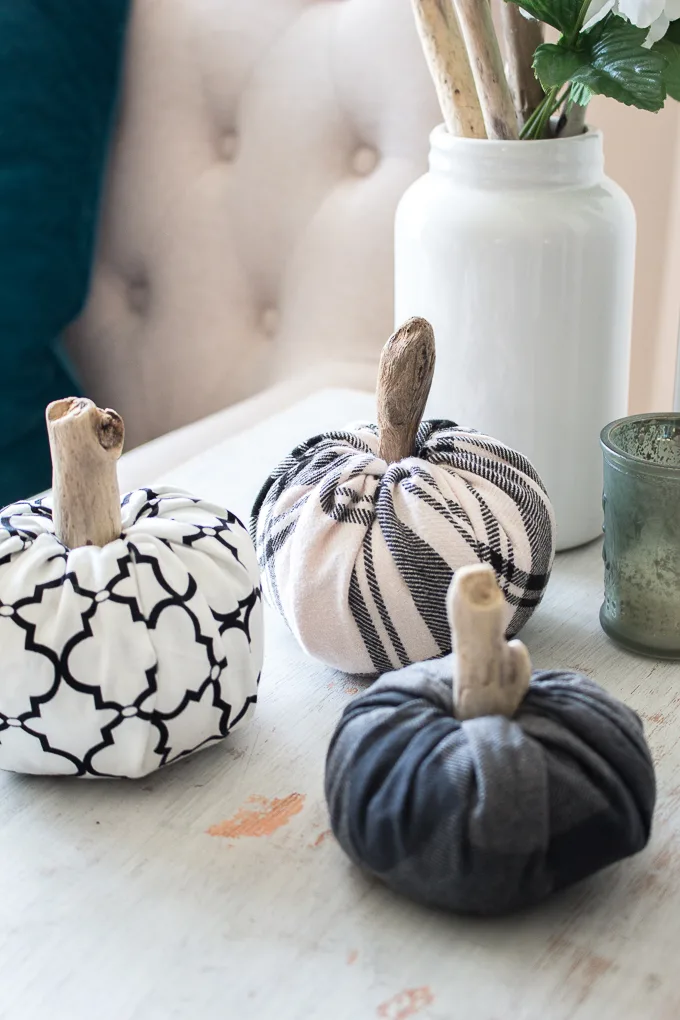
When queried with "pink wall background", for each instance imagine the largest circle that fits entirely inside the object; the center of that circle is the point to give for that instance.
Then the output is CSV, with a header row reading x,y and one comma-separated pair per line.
x,y
642,152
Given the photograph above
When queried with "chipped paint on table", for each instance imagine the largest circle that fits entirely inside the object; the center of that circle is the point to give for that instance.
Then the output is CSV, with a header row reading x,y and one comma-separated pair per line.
x,y
260,816
116,902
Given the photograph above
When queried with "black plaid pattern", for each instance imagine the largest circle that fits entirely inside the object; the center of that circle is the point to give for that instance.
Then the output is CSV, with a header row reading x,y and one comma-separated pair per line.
x,y
405,528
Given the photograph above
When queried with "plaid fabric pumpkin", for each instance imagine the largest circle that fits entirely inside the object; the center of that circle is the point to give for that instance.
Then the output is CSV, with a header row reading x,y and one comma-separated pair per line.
x,y
357,555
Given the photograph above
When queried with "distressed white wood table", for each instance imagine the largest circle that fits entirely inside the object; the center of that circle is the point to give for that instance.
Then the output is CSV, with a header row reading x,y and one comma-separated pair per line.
x,y
214,889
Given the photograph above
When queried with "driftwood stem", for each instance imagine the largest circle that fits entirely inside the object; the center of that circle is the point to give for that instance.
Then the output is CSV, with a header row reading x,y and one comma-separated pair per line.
x,y
449,66
491,675
574,123
522,38
474,18
85,443
404,380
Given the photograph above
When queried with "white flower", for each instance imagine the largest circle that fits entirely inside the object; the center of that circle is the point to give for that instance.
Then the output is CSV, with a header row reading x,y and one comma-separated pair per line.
x,y
656,15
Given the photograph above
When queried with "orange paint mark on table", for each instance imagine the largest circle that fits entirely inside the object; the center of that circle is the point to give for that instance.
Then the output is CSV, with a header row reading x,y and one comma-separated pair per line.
x,y
321,838
351,690
352,957
585,970
406,1004
662,859
595,967
261,818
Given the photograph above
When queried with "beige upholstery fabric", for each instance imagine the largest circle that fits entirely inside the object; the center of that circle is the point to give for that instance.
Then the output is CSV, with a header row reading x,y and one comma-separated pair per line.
x,y
172,450
247,230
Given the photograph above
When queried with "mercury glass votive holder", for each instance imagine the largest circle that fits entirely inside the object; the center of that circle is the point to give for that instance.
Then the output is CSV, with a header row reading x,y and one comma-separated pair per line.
x,y
641,608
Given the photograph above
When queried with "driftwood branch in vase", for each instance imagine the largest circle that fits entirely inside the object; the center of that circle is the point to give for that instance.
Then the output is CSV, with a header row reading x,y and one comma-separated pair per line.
x,y
476,23
449,66
522,38
573,123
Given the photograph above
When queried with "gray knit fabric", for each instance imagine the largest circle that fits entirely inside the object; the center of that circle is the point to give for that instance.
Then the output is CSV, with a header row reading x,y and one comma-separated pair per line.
x,y
488,815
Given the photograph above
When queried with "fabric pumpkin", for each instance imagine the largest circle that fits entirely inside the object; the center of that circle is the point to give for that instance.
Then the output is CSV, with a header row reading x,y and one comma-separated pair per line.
x,y
357,555
117,660
489,814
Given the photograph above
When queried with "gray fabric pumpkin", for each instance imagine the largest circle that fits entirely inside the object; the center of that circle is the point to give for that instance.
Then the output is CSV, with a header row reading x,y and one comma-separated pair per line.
x,y
489,814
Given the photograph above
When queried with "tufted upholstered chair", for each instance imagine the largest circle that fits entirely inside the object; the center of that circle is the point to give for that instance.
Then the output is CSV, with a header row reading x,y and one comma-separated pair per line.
x,y
246,235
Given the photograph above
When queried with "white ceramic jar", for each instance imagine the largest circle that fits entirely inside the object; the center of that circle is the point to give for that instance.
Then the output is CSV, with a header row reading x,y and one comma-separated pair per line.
x,y
522,255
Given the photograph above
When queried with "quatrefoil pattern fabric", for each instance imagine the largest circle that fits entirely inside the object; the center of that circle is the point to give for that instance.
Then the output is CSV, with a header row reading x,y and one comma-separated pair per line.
x,y
119,660
357,555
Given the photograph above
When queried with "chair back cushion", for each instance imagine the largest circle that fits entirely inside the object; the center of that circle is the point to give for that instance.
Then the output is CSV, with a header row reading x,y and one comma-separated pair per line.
x,y
248,224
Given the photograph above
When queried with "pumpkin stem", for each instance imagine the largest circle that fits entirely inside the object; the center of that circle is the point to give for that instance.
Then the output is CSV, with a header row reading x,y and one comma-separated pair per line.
x,y
85,443
491,675
404,380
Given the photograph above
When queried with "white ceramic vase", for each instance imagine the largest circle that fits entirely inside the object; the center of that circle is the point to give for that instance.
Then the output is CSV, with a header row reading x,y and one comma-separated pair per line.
x,y
522,256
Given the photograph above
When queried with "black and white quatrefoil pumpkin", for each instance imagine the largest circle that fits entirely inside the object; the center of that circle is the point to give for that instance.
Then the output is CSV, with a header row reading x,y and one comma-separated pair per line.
x,y
117,660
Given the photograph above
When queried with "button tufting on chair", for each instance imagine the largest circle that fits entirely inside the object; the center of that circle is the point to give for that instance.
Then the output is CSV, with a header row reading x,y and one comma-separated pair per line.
x,y
138,295
269,322
322,91
229,146
365,161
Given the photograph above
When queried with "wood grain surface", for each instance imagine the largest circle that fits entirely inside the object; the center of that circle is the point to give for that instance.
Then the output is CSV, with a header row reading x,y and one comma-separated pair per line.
x,y
495,98
214,889
404,380
449,66
522,39
85,444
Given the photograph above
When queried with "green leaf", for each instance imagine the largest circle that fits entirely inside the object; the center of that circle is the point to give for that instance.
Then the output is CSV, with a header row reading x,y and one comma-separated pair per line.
x,y
616,64
669,48
580,94
673,33
556,64
561,14
670,51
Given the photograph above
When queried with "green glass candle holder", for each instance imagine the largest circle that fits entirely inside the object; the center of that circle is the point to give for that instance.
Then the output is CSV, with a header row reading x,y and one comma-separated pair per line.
x,y
641,608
